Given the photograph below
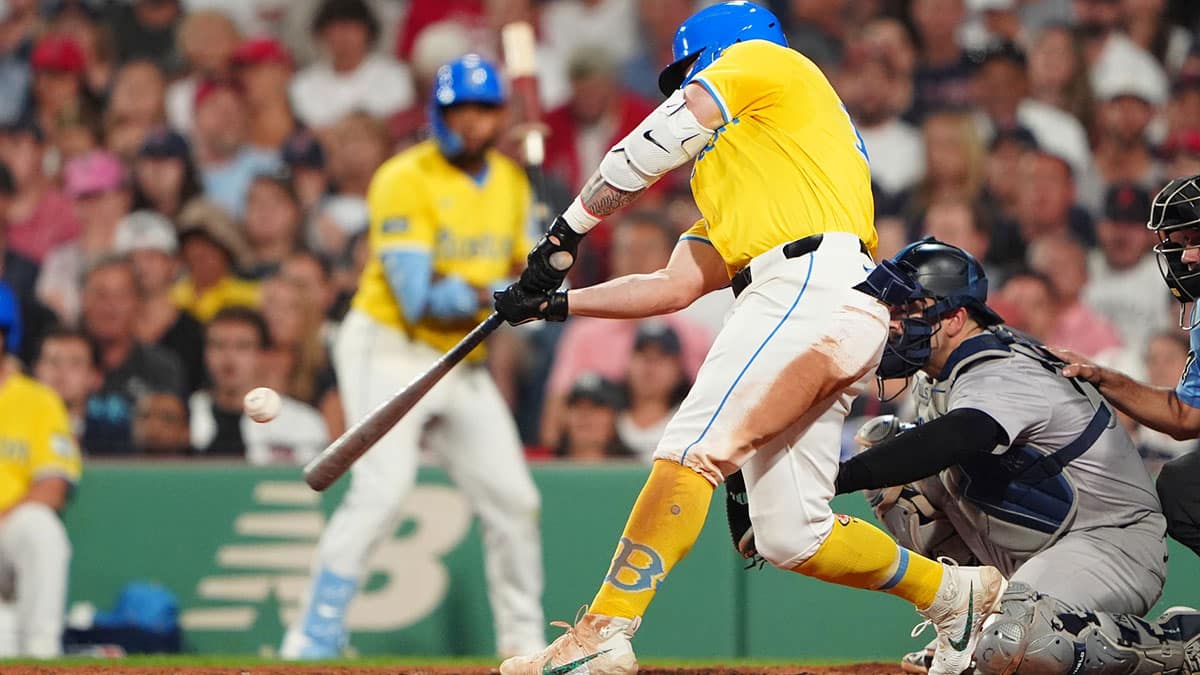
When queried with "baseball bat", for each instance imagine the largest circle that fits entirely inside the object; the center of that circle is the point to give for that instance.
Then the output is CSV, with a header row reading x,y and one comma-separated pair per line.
x,y
327,467
520,60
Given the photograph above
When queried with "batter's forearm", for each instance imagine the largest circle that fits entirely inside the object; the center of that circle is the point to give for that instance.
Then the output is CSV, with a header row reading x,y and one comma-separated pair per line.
x,y
1156,407
635,296
600,199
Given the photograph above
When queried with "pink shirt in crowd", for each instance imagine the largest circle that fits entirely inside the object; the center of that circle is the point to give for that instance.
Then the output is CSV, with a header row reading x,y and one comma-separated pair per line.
x,y
603,346
51,224
1082,329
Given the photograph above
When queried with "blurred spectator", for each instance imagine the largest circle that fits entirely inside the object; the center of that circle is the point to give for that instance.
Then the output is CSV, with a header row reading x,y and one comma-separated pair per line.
x,y
305,160
207,40
1124,284
226,161
657,20
358,145
15,74
1183,110
890,40
655,385
870,86
234,343
991,23
641,245
136,107
1144,21
59,64
1030,298
943,70
350,76
263,68
297,362
608,25
1077,326
954,165
1166,356
1182,153
1127,103
164,175
1045,206
273,221
99,185
212,249
818,30
160,425
82,21
1058,74
598,115
590,425
1001,183
16,270
313,275
961,223
110,316
424,13
146,29
69,363
148,240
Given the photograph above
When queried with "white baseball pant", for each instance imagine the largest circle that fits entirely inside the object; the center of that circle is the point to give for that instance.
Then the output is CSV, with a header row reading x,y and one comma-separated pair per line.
x,y
797,347
477,440
35,557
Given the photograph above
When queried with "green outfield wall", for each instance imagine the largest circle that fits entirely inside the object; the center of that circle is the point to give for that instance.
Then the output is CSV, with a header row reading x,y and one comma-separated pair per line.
x,y
235,543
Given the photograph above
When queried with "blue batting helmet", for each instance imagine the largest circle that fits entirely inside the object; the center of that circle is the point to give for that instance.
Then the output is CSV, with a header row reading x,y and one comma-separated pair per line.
x,y
10,320
709,32
470,79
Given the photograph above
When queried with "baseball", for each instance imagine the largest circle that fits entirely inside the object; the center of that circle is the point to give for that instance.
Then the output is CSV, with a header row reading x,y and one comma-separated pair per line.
x,y
262,404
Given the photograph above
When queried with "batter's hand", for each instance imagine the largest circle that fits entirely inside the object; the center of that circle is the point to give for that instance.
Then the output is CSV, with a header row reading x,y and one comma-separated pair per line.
x,y
1079,366
517,305
548,262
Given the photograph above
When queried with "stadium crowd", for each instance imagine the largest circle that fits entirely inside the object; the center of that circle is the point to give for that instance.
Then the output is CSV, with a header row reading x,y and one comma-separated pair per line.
x,y
182,192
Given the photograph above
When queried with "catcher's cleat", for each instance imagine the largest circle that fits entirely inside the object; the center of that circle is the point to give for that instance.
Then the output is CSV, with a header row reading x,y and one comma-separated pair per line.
x,y
918,662
595,645
965,599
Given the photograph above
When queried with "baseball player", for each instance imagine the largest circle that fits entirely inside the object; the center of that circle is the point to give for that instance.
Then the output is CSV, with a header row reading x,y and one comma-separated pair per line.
x,y
448,222
1009,463
39,466
782,180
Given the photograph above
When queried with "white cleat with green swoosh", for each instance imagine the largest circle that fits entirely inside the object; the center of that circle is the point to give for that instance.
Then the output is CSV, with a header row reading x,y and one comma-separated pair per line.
x,y
966,598
595,645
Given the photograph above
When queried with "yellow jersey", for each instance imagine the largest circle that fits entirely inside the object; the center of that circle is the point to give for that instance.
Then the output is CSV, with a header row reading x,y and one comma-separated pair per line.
x,y
227,292
787,162
35,439
474,230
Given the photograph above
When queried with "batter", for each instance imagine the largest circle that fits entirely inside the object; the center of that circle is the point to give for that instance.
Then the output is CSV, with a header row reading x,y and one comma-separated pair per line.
x,y
782,179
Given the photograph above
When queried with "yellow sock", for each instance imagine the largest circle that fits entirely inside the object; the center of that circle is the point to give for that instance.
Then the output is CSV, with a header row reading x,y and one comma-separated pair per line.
x,y
861,555
665,521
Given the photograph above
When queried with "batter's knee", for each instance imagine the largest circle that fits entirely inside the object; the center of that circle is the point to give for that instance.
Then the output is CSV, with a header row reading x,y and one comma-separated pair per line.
x,y
784,542
36,532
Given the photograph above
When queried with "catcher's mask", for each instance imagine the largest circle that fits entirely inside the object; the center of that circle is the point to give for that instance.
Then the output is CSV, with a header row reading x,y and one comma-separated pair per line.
x,y
1175,218
925,271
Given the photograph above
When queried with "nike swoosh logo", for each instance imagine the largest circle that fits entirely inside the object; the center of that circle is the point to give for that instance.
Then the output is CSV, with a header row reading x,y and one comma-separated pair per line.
x,y
566,668
646,135
961,644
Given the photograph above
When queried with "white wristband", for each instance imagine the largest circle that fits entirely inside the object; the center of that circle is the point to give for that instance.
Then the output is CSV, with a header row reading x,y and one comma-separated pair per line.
x,y
578,218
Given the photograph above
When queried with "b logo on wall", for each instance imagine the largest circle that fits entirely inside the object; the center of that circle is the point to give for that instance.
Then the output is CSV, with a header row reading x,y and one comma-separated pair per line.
x,y
272,550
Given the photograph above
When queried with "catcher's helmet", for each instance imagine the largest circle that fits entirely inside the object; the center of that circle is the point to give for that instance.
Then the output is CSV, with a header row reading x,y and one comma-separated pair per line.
x,y
709,32
470,79
927,269
1176,208
10,320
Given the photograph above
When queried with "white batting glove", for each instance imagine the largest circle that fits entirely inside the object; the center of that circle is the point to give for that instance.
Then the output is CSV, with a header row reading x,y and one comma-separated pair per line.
x,y
879,429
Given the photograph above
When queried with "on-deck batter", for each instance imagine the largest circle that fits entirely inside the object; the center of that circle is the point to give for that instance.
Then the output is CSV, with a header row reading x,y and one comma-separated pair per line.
x,y
782,180
449,222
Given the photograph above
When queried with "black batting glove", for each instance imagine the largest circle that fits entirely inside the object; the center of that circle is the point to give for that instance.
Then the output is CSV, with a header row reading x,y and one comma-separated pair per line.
x,y
516,305
547,264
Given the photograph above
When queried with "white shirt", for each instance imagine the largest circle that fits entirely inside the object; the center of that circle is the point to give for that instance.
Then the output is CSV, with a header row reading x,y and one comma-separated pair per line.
x,y
181,104
294,437
1135,300
610,25
642,440
379,86
897,155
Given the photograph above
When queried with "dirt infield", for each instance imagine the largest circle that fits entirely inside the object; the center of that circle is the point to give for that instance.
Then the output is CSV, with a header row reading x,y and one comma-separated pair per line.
x,y
114,669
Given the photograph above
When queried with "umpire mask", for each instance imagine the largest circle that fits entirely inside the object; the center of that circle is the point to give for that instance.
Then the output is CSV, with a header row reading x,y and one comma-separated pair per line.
x,y
1175,218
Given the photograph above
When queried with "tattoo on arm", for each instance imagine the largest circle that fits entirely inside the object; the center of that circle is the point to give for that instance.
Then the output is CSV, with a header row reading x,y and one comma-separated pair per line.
x,y
602,199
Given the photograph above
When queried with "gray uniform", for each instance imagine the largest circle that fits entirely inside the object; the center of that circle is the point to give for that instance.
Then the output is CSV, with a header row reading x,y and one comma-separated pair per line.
x,y
1067,506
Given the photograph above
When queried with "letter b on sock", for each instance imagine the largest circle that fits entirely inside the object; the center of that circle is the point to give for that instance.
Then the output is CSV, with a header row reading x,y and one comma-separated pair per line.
x,y
636,567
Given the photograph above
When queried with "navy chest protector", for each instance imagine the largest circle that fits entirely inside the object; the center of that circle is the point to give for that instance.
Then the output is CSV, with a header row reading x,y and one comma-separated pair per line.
x,y
1022,499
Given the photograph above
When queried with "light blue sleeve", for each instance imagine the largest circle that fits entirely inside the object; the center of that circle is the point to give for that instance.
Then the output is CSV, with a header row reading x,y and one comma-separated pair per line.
x,y
453,298
410,275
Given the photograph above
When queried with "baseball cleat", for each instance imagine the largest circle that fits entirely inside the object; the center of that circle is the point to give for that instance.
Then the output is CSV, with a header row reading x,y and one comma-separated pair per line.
x,y
965,599
918,662
595,645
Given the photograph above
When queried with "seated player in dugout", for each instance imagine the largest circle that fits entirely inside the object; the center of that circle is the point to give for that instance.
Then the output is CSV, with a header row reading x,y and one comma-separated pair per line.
x,y
1009,464
782,179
